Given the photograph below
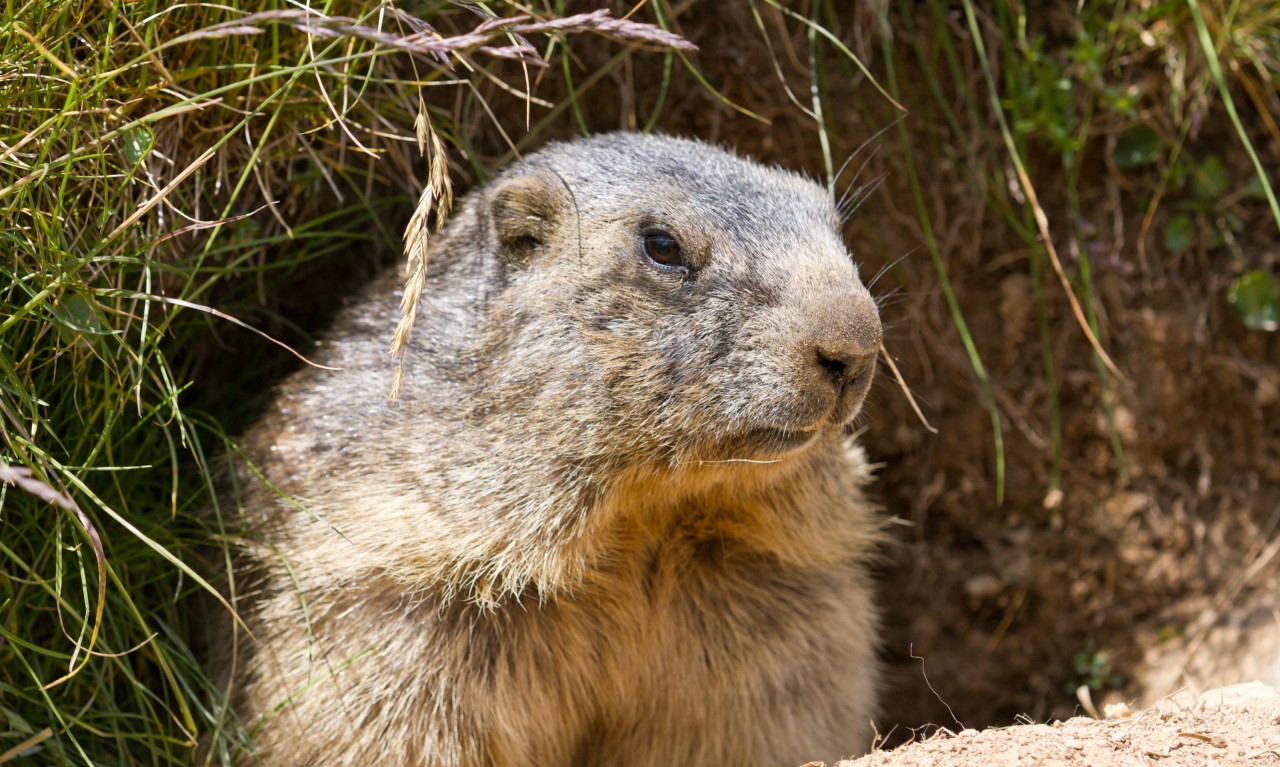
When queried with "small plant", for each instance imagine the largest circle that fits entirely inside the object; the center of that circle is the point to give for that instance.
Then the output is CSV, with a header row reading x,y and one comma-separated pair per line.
x,y
1091,668
1256,299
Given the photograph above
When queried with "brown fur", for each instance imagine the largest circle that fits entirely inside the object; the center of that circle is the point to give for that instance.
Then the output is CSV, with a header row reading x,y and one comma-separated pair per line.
x,y
587,532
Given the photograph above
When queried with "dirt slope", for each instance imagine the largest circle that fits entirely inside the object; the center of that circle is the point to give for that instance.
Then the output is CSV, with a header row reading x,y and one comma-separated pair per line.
x,y
1231,726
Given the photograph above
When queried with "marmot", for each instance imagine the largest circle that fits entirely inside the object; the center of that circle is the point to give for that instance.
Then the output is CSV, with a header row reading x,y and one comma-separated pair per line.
x,y
616,516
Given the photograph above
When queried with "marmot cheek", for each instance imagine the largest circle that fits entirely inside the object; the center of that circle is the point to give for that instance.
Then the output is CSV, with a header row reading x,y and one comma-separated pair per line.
x,y
804,402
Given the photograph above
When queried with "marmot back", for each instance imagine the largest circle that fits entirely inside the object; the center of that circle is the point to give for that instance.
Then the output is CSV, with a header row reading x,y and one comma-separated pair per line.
x,y
615,516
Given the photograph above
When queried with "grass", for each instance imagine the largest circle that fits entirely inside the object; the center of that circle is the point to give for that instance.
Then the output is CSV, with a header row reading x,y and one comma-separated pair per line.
x,y
1098,158
957,314
1059,101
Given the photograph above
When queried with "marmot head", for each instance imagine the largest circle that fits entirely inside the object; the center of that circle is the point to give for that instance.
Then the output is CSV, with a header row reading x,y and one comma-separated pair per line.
x,y
667,302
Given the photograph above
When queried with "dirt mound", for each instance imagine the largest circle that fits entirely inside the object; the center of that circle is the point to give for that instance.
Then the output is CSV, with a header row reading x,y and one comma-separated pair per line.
x,y
1229,726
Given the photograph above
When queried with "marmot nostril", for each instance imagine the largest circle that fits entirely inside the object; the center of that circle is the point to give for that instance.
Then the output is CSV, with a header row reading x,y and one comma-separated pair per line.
x,y
835,366
843,366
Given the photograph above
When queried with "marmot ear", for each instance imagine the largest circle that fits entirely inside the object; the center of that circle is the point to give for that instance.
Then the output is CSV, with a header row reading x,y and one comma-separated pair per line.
x,y
526,211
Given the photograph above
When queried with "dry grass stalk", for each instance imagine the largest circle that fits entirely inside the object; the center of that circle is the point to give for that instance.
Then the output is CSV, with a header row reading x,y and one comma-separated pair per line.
x,y
906,390
24,479
437,197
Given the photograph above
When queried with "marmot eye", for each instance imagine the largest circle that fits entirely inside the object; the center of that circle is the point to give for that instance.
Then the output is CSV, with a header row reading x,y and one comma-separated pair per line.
x,y
663,249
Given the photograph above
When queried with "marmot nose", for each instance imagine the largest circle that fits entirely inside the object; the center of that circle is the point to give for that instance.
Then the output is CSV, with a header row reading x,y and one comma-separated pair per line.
x,y
844,339
845,364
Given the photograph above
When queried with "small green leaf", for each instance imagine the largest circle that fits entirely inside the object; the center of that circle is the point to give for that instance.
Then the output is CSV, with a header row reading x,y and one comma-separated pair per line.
x,y
78,315
1256,299
1137,146
77,321
137,144
1254,189
1210,180
1177,234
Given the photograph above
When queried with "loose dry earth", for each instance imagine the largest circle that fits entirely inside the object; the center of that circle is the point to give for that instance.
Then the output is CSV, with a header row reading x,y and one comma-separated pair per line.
x,y
1227,727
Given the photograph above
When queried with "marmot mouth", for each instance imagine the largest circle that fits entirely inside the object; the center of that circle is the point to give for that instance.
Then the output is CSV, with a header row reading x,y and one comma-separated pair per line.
x,y
779,440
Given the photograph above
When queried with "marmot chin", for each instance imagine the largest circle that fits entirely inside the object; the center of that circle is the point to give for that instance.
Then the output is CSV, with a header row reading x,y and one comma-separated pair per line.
x,y
615,517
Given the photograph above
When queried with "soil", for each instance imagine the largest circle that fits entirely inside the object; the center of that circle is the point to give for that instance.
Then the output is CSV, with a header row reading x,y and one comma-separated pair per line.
x,y
1223,728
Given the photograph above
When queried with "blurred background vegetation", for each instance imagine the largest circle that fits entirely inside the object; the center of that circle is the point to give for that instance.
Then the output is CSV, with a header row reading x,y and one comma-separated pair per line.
x,y
1071,204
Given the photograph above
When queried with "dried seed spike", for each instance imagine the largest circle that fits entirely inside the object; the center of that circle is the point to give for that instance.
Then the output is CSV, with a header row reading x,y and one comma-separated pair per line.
x,y
438,197
422,127
440,181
